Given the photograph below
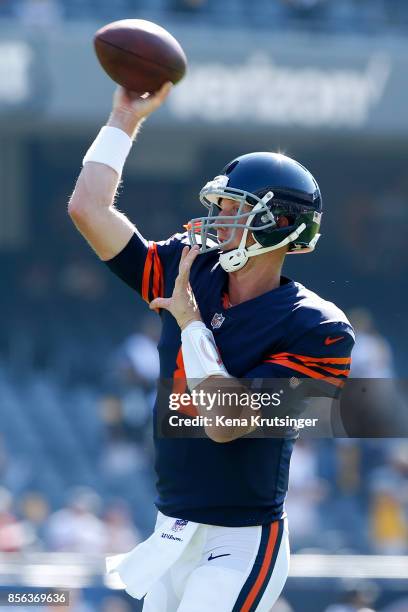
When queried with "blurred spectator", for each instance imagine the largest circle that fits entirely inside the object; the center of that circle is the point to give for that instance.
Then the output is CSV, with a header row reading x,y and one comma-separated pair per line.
x,y
375,407
356,598
345,480
134,372
137,360
306,490
304,5
306,9
15,535
39,13
126,458
125,419
372,355
77,603
76,527
348,607
82,280
111,413
282,606
115,604
389,502
122,460
188,6
34,510
15,470
397,606
122,535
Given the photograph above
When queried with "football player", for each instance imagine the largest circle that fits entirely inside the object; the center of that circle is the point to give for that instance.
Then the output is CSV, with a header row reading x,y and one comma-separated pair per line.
x,y
228,315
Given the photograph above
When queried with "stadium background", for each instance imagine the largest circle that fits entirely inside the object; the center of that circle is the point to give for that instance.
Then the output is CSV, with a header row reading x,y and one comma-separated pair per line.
x,y
323,81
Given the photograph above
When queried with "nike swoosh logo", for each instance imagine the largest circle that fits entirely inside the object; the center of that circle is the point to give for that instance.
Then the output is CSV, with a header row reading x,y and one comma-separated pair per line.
x,y
330,340
211,557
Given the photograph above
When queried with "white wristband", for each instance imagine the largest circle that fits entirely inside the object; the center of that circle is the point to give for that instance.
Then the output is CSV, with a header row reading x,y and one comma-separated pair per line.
x,y
200,354
111,147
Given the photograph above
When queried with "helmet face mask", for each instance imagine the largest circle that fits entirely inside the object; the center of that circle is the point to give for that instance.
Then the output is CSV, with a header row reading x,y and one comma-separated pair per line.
x,y
274,186
241,220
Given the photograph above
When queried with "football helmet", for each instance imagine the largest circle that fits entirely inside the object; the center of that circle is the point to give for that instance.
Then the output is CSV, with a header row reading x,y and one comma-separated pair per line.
x,y
286,208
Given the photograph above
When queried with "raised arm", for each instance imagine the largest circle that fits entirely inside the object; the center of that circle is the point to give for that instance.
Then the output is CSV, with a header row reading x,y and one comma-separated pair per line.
x,y
91,206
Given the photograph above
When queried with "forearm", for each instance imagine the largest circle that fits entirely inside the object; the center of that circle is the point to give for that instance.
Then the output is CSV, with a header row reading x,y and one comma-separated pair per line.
x,y
91,206
217,394
97,183
126,121
225,400
95,188
92,211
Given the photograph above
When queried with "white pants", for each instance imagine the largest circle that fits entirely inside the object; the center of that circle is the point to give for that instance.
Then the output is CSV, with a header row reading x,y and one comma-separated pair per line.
x,y
225,569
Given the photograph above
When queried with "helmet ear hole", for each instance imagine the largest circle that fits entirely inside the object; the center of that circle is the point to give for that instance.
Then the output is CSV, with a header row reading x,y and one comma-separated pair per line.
x,y
282,221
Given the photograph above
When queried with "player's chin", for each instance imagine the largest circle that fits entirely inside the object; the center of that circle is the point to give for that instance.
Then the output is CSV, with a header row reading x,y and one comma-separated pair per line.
x,y
227,246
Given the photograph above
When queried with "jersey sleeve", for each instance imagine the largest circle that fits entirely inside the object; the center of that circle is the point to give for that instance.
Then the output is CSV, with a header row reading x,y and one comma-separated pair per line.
x,y
144,265
322,355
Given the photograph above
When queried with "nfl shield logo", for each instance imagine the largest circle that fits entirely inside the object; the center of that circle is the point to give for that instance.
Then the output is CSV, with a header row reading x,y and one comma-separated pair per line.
x,y
217,320
179,525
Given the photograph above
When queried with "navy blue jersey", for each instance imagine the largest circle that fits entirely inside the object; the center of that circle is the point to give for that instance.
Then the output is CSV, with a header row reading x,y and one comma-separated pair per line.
x,y
289,331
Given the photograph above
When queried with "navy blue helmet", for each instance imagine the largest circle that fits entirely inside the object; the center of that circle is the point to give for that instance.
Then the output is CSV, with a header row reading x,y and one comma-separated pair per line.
x,y
279,203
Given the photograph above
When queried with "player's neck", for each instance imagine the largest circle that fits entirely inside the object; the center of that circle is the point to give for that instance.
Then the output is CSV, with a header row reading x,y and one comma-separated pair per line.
x,y
259,275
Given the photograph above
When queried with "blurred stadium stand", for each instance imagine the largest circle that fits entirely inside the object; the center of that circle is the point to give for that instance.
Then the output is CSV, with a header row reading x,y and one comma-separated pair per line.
x,y
367,16
74,400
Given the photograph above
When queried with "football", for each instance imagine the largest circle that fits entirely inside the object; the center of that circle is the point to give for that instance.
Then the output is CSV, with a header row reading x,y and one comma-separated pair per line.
x,y
139,55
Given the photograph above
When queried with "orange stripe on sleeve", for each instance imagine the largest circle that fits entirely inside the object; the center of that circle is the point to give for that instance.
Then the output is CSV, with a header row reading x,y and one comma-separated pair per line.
x,y
158,274
180,385
338,360
286,363
334,371
264,568
146,273
152,265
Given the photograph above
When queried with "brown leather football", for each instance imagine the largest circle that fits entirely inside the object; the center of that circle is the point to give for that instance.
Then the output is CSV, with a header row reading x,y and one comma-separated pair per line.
x,y
139,55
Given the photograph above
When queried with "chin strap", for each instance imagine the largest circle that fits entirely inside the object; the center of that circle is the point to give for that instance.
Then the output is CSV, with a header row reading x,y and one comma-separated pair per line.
x,y
237,258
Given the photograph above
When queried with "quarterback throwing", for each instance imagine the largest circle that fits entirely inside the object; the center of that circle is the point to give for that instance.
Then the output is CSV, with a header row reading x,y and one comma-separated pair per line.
x,y
230,320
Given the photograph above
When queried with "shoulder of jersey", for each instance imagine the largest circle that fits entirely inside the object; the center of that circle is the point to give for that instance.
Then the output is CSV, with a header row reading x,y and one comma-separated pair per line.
x,y
312,310
182,239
